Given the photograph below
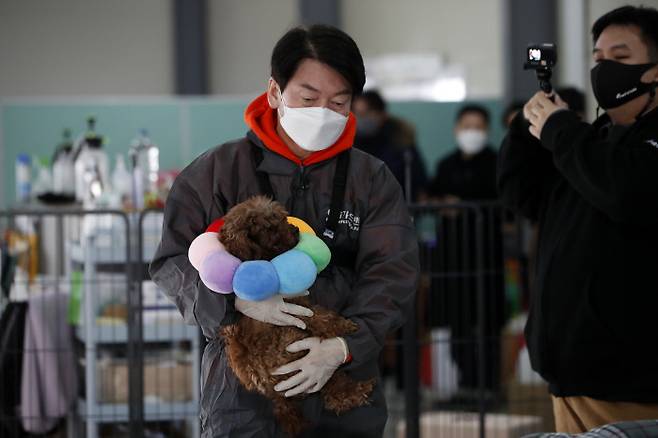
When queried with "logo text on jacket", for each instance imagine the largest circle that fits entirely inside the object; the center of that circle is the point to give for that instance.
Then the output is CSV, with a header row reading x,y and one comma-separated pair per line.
x,y
352,221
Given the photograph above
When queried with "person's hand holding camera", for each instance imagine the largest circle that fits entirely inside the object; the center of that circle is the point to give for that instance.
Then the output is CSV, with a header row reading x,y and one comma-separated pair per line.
x,y
539,108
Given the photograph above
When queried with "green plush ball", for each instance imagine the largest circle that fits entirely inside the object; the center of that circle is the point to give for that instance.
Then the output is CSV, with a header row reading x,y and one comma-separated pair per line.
x,y
315,248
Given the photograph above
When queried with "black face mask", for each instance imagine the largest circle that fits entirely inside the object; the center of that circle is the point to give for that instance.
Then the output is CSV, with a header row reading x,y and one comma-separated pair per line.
x,y
615,83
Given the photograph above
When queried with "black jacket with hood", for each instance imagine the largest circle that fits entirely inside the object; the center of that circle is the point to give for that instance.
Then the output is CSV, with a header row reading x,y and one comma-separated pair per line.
x,y
376,293
592,328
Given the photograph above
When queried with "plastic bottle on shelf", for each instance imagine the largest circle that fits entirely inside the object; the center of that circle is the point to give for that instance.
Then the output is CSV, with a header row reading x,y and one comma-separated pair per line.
x,y
121,181
23,178
63,169
44,181
137,182
91,165
145,161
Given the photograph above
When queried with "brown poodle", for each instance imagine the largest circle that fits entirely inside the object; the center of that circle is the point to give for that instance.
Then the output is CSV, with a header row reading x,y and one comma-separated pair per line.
x,y
258,229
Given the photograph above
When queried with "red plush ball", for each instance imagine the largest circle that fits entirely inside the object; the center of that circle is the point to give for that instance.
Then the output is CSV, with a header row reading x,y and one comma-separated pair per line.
x,y
216,225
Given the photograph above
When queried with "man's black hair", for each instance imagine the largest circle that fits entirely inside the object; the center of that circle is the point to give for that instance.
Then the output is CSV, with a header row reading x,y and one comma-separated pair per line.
x,y
573,97
645,18
473,108
374,100
326,44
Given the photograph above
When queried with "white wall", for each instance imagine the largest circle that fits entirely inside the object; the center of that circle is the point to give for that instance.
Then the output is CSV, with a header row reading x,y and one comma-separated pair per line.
x,y
572,43
467,32
95,47
242,34
85,47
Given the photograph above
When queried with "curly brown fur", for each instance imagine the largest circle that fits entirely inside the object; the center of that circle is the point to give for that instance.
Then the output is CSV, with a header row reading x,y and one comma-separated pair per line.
x,y
289,416
255,349
341,393
258,229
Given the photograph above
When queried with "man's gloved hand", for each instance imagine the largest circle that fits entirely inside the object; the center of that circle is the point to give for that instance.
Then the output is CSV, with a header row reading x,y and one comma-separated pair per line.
x,y
273,311
319,364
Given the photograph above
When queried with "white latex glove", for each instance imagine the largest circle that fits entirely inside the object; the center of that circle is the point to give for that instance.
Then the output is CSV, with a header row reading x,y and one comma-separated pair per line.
x,y
273,311
319,364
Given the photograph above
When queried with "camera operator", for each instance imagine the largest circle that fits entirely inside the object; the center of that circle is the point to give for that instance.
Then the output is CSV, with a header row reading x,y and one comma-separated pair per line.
x,y
592,331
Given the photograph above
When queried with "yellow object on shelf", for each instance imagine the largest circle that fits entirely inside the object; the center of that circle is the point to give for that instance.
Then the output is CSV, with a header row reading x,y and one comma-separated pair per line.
x,y
26,248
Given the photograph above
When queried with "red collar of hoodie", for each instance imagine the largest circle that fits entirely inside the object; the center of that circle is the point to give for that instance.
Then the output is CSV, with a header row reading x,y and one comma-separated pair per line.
x,y
263,120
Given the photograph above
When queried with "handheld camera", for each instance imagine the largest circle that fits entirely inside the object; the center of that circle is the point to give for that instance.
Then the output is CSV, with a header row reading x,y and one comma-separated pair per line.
x,y
542,58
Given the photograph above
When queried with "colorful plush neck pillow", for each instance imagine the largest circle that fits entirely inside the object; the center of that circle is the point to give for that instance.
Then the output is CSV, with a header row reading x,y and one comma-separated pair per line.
x,y
290,273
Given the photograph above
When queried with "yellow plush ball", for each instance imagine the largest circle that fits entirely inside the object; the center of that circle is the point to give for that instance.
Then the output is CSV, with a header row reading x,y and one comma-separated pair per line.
x,y
301,225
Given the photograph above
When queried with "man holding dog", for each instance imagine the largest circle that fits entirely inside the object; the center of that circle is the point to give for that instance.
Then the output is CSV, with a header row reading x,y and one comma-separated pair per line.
x,y
299,152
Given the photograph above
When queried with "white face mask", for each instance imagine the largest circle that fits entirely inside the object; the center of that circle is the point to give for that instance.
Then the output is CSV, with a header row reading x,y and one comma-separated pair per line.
x,y
471,141
312,128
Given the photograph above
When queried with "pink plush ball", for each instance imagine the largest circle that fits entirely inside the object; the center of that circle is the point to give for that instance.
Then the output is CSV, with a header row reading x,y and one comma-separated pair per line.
x,y
217,271
203,245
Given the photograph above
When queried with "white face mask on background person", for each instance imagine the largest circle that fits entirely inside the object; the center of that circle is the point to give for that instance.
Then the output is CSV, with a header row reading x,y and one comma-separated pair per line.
x,y
471,141
312,128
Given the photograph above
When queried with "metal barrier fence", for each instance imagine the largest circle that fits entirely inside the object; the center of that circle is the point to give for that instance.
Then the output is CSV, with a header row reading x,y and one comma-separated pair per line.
x,y
88,346
466,371
101,352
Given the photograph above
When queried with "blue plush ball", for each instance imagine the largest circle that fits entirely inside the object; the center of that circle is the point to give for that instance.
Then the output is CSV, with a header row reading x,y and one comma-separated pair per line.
x,y
296,271
255,280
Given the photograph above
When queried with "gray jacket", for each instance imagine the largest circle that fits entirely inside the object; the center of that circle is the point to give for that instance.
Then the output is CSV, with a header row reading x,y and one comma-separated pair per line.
x,y
377,293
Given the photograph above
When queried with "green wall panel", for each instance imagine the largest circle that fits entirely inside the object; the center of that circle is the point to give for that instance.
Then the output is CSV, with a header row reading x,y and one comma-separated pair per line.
x,y
215,122
185,128
37,128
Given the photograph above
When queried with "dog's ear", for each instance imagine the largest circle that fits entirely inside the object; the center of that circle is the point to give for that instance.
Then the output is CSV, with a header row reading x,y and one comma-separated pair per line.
x,y
289,235
283,237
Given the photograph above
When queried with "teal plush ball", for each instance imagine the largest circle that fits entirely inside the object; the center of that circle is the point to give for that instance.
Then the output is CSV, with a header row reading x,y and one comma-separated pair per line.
x,y
255,280
296,271
315,248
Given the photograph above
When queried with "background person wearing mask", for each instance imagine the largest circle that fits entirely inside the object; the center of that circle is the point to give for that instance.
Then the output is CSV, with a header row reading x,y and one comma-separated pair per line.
x,y
593,188
298,151
390,139
468,174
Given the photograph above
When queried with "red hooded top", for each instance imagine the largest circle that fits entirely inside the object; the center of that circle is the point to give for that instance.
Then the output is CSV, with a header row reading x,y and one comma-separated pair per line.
x,y
263,120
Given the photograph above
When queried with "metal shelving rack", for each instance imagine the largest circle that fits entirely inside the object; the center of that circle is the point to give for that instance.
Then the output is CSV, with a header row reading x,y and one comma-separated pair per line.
x,y
92,259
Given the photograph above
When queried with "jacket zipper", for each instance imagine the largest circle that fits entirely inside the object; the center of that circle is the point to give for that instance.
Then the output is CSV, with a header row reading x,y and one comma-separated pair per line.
x,y
298,189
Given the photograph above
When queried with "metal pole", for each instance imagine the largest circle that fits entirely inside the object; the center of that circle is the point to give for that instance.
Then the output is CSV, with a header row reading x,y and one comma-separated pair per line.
x,y
320,12
411,378
481,332
135,335
525,21
191,46
408,160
